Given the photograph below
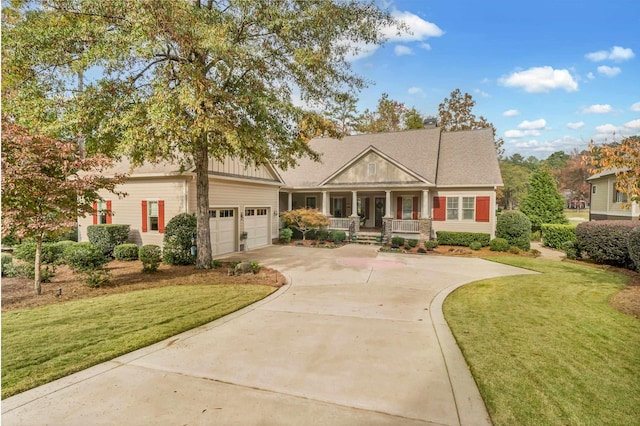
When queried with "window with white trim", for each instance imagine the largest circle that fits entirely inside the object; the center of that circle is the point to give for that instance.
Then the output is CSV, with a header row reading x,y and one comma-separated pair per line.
x,y
468,208
226,213
452,208
593,189
152,212
102,212
407,208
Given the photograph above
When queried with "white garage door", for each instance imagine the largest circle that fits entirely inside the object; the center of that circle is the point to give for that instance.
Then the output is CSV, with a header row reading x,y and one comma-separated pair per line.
x,y
223,230
256,225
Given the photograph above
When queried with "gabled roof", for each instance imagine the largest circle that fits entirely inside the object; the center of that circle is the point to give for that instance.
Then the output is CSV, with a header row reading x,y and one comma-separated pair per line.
x,y
463,158
604,173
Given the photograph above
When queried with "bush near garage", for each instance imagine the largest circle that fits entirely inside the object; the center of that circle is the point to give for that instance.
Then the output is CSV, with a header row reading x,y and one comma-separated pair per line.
x,y
555,236
606,241
515,227
177,240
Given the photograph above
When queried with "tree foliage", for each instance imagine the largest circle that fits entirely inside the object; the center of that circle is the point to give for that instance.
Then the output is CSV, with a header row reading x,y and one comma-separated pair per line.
x,y
543,203
573,177
623,158
388,117
455,113
188,80
46,186
305,220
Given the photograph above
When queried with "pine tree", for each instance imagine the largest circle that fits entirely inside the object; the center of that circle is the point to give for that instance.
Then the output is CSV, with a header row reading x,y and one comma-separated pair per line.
x,y
543,203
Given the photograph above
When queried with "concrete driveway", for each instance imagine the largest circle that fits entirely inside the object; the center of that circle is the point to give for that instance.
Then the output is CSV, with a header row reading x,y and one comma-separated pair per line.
x,y
356,338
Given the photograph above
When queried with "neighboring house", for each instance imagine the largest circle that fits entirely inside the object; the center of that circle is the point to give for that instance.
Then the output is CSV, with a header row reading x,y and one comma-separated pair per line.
x,y
242,199
607,203
409,184
412,183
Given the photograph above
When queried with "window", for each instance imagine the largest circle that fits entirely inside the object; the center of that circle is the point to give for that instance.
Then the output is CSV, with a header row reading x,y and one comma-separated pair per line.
x,y
152,207
261,212
619,197
226,213
310,202
337,206
102,212
452,208
468,208
407,208
593,189
249,212
213,214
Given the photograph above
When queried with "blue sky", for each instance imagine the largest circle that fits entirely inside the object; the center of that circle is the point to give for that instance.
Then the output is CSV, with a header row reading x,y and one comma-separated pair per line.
x,y
550,75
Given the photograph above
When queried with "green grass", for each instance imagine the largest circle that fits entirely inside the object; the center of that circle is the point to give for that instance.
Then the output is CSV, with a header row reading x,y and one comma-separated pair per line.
x,y
548,349
43,344
575,215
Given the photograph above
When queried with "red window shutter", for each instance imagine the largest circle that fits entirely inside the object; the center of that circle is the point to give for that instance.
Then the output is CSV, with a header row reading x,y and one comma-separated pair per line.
x,y
108,211
439,208
414,214
95,212
399,208
482,209
161,216
144,216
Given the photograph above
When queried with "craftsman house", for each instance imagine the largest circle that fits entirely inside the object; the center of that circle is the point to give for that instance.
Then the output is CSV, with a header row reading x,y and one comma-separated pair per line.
x,y
607,203
411,184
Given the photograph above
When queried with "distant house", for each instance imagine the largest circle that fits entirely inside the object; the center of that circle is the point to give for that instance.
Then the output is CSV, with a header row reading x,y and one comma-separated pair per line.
x,y
607,203
410,184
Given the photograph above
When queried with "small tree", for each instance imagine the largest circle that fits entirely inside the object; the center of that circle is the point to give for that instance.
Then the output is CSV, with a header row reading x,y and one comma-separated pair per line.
x,y
543,203
46,186
305,220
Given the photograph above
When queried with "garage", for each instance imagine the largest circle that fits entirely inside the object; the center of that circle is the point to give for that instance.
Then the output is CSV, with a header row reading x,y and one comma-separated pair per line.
x,y
256,225
223,230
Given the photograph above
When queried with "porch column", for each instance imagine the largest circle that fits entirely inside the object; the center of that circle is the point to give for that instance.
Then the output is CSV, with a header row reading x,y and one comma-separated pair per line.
x,y
354,203
426,211
387,204
325,203
289,201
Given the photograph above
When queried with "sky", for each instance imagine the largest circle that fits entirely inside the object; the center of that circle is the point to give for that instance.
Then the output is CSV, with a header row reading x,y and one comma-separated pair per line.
x,y
550,75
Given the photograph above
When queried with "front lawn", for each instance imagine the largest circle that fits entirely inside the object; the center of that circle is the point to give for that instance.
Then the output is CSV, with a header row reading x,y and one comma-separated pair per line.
x,y
548,349
45,343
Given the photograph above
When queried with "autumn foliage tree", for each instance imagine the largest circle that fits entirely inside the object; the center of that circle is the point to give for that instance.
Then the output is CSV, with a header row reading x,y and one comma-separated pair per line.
x,y
388,117
305,220
623,158
46,186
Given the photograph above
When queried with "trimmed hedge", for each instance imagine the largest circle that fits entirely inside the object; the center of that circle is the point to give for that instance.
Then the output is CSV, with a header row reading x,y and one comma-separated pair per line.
x,y
52,253
633,244
555,236
84,257
397,241
475,245
430,244
606,241
515,227
126,252
337,236
449,238
499,244
107,236
177,240
285,235
6,264
151,256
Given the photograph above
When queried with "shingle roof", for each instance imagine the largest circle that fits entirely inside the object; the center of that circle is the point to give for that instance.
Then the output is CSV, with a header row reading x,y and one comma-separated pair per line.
x,y
452,158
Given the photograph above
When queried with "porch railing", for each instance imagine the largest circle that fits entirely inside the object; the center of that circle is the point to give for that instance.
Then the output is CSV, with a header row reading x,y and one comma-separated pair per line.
x,y
339,223
405,226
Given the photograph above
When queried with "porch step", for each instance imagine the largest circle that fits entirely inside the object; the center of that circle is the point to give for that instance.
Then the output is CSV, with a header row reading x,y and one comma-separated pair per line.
x,y
367,238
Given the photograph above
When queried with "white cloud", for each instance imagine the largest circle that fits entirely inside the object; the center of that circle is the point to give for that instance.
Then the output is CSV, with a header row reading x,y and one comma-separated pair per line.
x,y
597,109
540,80
419,29
520,133
634,124
481,93
607,128
616,54
402,50
512,113
425,46
609,71
533,125
591,76
527,144
635,107
414,90
576,126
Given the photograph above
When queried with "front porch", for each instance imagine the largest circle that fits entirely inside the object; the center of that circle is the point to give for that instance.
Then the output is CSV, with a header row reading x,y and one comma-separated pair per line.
x,y
419,229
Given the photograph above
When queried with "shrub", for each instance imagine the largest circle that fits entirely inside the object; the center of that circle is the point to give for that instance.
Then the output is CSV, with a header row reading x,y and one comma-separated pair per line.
x,y
285,235
126,252
177,240
499,244
255,267
535,252
633,244
51,252
412,243
397,241
431,244
150,255
515,227
84,257
97,277
216,264
535,236
106,237
6,263
449,238
515,250
475,245
337,236
605,241
571,249
322,235
556,235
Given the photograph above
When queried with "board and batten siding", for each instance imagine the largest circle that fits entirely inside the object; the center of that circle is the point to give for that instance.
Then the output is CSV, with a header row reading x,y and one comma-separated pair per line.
x,y
128,210
235,167
467,225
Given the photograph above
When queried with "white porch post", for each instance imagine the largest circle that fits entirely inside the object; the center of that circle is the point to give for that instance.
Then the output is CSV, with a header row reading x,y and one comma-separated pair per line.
x,y
325,203
387,204
289,201
426,211
354,203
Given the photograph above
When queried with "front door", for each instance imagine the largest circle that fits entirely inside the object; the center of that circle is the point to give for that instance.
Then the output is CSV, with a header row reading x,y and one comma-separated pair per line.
x,y
380,208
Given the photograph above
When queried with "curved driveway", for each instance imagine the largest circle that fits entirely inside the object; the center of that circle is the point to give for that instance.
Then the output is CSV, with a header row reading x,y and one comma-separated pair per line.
x,y
356,338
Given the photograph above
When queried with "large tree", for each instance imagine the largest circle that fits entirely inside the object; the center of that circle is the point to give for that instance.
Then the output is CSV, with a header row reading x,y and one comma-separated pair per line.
x,y
388,117
573,177
46,186
456,113
623,158
187,80
543,202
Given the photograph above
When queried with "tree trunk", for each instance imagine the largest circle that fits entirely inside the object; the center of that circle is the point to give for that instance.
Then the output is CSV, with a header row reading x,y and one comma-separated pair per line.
x,y
36,283
203,241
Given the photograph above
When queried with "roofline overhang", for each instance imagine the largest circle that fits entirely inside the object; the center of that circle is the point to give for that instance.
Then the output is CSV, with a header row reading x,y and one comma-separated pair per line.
x,y
472,185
